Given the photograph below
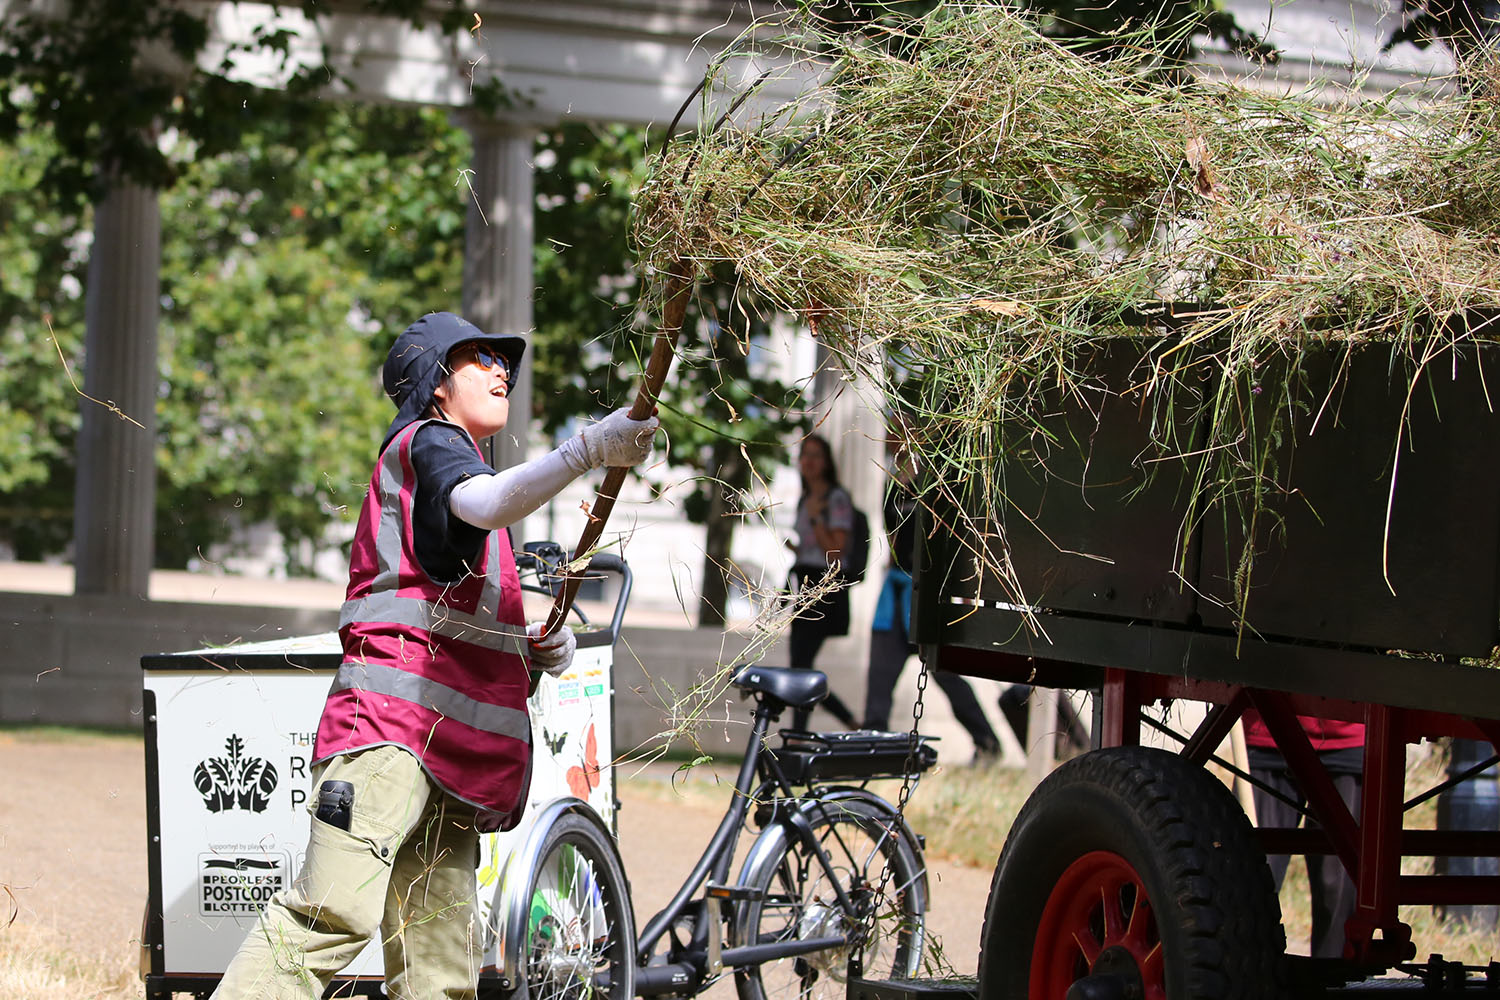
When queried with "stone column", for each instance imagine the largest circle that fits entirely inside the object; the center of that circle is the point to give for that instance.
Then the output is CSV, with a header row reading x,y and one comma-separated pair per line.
x,y
114,506
498,266
857,434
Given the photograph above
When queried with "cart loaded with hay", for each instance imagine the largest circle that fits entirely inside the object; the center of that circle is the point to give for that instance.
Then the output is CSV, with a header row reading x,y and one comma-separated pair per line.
x,y
1205,387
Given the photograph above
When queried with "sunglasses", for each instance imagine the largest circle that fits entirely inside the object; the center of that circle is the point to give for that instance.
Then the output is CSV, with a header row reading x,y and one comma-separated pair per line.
x,y
483,355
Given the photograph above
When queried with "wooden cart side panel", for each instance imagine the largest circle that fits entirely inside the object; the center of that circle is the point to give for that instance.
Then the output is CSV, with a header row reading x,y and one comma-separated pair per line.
x,y
1093,526
1089,522
1390,534
1074,651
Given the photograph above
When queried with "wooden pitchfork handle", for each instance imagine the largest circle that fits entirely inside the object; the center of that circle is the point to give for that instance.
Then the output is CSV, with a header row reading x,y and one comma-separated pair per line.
x,y
678,292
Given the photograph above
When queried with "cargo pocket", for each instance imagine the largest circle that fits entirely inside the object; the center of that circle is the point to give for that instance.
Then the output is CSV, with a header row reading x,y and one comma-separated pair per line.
x,y
390,793
342,884
341,887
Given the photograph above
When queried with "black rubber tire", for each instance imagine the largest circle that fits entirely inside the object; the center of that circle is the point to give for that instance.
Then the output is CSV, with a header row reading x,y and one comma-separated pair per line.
x,y
794,899
1210,891
581,918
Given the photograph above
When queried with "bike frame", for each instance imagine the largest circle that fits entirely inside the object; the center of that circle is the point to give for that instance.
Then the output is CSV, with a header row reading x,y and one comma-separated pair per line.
x,y
691,965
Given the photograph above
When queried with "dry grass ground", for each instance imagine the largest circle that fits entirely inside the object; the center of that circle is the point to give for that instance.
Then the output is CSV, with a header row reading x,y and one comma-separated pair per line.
x,y
72,866
39,964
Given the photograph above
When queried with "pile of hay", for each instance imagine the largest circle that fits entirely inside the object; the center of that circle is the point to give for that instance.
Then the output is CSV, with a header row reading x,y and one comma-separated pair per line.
x,y
959,206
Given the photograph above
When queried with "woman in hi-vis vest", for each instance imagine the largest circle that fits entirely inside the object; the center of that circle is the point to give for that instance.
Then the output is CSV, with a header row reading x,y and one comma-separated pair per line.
x,y
424,741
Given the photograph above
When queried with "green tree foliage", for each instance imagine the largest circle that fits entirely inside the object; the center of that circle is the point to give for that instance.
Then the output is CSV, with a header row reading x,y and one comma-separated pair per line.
x,y
299,236
380,186
290,263
43,261
271,412
584,300
106,79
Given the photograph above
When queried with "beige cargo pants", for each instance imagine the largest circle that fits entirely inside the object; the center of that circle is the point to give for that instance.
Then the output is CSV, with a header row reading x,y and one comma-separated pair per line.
x,y
404,870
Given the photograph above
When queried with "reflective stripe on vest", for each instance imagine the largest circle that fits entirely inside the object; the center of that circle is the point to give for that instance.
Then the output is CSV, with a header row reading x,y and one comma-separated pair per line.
x,y
436,618
374,678
382,604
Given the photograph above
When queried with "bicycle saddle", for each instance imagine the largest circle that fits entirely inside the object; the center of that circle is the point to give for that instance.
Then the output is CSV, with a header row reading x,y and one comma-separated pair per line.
x,y
797,688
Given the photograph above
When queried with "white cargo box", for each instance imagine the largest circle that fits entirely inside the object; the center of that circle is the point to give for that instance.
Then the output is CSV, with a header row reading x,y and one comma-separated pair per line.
x,y
229,737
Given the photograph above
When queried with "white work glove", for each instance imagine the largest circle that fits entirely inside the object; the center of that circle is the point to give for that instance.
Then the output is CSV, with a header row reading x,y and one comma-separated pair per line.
x,y
619,441
554,654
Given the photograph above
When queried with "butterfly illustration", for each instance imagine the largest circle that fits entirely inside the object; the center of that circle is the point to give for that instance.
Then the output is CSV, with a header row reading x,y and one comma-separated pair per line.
x,y
584,779
554,743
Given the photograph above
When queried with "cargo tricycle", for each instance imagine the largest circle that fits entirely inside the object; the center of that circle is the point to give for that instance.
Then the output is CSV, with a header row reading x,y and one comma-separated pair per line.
x,y
229,740
831,874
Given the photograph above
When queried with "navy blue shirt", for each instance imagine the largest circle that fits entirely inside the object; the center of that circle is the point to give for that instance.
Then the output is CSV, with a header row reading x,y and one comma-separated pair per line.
x,y
442,456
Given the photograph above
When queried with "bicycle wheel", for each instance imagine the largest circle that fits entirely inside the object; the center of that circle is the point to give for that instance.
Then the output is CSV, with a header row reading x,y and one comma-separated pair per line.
x,y
580,934
794,899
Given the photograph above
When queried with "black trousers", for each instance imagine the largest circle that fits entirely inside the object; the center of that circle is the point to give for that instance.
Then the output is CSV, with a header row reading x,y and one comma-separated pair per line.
x,y
889,651
804,644
1072,736
1331,887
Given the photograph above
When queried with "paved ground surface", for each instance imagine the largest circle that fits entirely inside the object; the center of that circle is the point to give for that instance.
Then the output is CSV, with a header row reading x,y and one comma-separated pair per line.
x,y
72,851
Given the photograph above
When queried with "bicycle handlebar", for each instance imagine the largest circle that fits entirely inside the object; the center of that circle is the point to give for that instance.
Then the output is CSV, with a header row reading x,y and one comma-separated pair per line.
x,y
546,560
609,562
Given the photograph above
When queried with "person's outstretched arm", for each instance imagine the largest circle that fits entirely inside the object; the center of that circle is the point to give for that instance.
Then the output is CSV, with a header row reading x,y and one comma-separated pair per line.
x,y
502,499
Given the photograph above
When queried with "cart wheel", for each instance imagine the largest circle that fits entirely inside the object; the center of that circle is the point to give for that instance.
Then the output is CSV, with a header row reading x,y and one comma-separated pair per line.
x,y
580,934
1135,870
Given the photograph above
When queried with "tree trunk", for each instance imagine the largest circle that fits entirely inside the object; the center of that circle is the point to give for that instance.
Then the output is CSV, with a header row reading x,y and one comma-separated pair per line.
x,y
723,510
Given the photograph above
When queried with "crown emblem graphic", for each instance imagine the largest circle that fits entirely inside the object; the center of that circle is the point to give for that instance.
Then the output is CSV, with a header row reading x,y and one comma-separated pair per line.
x,y
235,781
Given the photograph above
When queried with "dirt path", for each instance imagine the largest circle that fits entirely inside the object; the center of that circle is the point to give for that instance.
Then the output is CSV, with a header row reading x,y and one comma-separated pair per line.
x,y
72,851
72,837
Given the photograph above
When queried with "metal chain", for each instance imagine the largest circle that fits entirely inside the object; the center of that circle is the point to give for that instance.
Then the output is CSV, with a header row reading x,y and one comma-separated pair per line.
x,y
917,708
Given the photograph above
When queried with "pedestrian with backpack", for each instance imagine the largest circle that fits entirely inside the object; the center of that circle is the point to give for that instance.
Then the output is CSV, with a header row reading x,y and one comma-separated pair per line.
x,y
890,637
826,535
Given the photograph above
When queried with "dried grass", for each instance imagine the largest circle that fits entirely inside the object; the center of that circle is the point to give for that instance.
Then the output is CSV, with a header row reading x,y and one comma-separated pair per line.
x,y
960,207
38,964
689,713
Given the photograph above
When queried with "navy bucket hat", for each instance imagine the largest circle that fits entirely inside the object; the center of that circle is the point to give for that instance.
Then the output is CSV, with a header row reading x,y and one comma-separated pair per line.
x,y
416,365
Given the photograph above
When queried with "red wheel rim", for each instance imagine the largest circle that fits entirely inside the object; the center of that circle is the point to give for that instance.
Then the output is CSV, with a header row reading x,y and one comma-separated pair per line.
x,y
1098,918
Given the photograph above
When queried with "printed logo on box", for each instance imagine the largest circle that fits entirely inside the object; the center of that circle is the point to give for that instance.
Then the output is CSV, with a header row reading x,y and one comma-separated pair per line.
x,y
235,886
236,780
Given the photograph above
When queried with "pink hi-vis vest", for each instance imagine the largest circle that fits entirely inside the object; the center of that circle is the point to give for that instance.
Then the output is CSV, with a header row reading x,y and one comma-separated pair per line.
x,y
436,668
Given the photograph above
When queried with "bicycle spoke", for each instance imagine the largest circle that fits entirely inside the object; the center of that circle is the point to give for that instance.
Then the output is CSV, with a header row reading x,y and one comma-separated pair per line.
x,y
571,932
801,901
